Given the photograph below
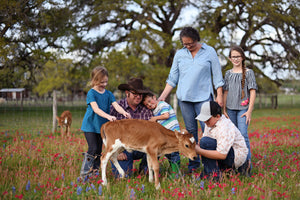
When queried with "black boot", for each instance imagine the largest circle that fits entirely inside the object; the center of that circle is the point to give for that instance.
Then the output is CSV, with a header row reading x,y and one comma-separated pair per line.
x,y
96,165
87,165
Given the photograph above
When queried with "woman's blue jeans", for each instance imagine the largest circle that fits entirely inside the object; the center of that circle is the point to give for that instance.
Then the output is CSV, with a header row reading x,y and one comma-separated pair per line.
x,y
189,111
240,123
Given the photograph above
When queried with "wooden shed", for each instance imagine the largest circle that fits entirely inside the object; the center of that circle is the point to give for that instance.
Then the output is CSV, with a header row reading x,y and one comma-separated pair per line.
x,y
12,93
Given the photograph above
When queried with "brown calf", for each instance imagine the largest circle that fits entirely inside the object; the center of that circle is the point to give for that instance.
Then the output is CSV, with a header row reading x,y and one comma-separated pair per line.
x,y
145,136
65,120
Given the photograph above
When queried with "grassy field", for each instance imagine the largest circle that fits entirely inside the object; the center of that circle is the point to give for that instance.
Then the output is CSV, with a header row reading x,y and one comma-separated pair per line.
x,y
38,164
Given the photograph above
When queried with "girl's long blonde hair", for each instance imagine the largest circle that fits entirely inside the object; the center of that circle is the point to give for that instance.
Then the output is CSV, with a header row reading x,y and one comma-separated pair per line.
x,y
97,75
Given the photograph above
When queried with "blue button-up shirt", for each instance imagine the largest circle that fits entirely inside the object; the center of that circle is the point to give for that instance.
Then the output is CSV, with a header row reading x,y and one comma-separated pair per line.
x,y
194,76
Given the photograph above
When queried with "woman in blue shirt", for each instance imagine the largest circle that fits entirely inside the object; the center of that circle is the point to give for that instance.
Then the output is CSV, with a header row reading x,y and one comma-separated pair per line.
x,y
195,70
98,100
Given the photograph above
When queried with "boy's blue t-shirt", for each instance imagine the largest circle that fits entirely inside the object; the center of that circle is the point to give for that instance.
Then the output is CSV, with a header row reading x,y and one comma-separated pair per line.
x,y
91,121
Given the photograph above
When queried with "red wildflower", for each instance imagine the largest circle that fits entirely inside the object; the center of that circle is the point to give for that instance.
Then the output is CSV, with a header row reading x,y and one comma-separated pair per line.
x,y
19,196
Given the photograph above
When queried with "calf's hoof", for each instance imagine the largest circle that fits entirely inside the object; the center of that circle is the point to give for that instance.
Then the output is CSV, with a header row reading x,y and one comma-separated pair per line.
x,y
158,186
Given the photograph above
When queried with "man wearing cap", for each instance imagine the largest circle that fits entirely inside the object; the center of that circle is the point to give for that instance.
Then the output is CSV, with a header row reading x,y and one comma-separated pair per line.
x,y
132,104
222,145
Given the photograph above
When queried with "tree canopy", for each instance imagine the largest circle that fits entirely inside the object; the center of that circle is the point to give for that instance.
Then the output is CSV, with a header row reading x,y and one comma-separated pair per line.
x,y
139,37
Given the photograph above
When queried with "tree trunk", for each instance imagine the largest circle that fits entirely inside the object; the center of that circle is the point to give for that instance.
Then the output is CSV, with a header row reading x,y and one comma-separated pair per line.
x,y
54,107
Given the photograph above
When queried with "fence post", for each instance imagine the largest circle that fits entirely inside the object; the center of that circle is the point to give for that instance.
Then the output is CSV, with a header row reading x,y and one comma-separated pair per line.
x,y
266,100
259,100
54,107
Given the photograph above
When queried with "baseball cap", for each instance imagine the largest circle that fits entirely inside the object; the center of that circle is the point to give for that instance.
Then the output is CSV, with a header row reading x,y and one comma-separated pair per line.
x,y
209,109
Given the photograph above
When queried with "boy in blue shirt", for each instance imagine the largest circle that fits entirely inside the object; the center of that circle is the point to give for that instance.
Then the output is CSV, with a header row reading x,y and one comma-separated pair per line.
x,y
164,114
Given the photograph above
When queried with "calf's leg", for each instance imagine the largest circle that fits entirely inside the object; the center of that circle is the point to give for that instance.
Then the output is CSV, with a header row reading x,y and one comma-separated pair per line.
x,y
155,166
150,168
117,165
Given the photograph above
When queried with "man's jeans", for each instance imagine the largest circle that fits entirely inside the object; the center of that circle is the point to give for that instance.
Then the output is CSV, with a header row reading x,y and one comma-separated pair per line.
x,y
127,165
214,166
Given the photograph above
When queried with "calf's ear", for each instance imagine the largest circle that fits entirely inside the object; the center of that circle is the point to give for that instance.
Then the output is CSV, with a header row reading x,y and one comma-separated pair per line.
x,y
178,135
57,118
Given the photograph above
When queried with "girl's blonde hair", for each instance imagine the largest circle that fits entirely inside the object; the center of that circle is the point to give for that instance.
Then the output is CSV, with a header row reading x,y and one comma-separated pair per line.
x,y
241,51
97,75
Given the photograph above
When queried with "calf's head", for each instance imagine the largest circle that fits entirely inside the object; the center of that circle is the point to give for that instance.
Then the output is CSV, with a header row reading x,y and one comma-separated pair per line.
x,y
186,144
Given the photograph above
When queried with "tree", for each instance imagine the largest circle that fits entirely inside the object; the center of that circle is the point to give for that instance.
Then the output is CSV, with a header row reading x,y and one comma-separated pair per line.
x,y
267,30
133,36
29,32
137,37
55,76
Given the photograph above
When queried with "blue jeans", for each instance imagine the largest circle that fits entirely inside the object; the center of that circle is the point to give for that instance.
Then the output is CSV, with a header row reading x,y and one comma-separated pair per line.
x,y
240,123
214,166
189,111
173,157
127,165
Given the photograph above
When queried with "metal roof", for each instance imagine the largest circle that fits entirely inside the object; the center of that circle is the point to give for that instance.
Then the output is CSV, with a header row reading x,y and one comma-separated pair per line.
x,y
12,89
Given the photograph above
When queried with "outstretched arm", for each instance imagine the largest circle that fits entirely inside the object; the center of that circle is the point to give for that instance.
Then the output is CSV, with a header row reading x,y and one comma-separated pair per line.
x,y
120,110
101,113
166,92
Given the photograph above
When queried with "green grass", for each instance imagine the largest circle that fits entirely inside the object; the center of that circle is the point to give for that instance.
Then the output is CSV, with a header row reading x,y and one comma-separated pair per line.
x,y
38,164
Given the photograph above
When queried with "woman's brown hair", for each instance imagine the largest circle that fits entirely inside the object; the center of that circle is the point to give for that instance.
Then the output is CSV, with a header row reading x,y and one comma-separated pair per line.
x,y
241,51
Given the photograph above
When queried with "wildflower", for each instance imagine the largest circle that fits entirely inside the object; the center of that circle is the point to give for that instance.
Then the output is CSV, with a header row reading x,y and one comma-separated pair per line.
x,y
86,178
79,189
3,146
19,196
87,189
202,185
28,186
132,193
78,179
11,155
143,188
100,190
21,138
245,102
72,183
92,185
34,190
180,194
13,189
62,176
233,190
